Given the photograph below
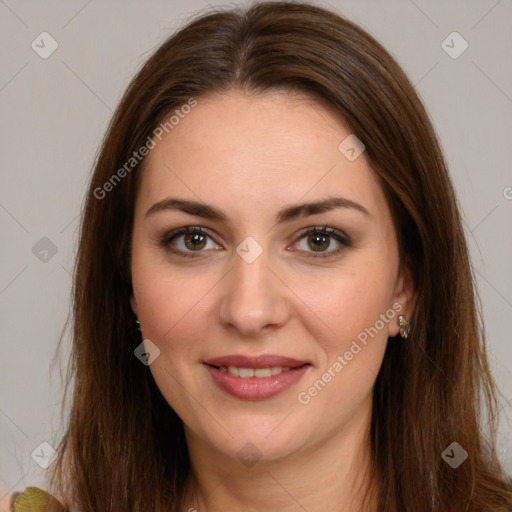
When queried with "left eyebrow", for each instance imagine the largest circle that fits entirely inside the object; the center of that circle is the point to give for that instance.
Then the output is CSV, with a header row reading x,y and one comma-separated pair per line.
x,y
287,214
303,210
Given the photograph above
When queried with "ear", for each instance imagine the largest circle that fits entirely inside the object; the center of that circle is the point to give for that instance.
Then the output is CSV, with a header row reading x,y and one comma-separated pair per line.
x,y
405,297
133,303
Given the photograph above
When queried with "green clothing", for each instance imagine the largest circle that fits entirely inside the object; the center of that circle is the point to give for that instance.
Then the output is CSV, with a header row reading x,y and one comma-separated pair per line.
x,y
33,499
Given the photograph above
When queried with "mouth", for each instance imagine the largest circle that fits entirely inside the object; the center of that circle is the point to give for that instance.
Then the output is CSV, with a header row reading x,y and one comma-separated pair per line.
x,y
255,378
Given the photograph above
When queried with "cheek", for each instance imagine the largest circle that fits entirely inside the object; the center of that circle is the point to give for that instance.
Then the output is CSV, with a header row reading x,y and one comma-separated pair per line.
x,y
352,346
348,302
170,304
169,299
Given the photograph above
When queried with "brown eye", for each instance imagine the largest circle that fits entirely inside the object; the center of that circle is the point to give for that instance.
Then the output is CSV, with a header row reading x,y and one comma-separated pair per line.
x,y
195,241
188,240
319,239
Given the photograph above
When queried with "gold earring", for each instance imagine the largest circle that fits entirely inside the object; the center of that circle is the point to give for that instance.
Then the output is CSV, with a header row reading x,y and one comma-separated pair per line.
x,y
405,328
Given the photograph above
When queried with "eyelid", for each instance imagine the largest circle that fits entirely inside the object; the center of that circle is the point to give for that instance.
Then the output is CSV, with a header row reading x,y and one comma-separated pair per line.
x,y
338,235
168,237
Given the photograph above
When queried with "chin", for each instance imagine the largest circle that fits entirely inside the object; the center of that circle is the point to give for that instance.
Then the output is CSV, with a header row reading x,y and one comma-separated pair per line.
x,y
256,440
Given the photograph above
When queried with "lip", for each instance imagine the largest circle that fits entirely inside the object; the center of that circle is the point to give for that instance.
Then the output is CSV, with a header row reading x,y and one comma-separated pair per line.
x,y
256,388
263,361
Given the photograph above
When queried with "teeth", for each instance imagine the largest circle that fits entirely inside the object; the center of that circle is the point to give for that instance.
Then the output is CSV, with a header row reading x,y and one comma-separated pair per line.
x,y
233,371
262,372
246,373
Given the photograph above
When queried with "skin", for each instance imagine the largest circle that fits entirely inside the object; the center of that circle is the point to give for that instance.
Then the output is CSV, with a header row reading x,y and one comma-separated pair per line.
x,y
250,156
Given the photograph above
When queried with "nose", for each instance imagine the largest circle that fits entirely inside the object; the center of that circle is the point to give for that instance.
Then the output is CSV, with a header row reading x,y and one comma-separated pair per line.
x,y
255,298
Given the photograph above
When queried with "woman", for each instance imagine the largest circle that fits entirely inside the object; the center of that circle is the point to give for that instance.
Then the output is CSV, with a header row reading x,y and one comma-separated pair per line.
x,y
273,303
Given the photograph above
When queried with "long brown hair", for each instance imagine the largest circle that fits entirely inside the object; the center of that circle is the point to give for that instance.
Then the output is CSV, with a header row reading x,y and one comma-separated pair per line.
x,y
124,448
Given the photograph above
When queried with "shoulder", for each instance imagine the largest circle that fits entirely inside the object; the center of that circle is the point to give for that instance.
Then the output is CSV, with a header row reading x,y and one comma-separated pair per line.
x,y
34,499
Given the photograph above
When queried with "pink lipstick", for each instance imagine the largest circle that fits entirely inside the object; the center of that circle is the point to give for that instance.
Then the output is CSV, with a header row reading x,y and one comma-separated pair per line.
x,y
255,378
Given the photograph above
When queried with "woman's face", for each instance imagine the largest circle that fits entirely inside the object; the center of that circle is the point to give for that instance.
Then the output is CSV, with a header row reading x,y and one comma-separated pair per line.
x,y
269,333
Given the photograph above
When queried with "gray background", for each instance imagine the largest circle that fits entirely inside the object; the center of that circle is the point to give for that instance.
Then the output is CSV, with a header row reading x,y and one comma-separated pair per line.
x,y
54,113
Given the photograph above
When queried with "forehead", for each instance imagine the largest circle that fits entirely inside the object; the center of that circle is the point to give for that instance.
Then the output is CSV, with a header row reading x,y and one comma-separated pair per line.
x,y
250,151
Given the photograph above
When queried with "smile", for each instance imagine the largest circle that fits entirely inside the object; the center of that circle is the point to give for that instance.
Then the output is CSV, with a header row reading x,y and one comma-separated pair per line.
x,y
255,378
259,373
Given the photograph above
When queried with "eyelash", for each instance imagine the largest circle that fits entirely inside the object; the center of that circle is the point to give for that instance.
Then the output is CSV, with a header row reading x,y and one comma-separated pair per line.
x,y
330,232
